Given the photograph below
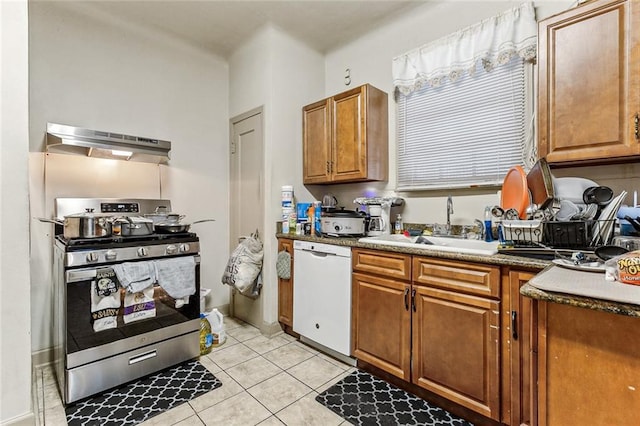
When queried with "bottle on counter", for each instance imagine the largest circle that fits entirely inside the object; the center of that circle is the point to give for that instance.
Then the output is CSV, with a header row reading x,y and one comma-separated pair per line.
x,y
488,232
397,229
288,210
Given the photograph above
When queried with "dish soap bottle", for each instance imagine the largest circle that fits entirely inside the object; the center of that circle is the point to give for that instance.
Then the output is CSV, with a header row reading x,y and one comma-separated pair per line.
x,y
488,232
397,229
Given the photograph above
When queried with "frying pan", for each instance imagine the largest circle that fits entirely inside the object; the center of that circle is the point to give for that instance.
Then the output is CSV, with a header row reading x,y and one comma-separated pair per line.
x,y
540,184
174,228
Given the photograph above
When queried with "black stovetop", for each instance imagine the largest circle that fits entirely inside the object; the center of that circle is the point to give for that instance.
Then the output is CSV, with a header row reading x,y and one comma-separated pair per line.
x,y
116,241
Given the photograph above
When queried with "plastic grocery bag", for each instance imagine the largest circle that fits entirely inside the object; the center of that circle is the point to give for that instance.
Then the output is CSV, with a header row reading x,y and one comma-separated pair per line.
x,y
244,266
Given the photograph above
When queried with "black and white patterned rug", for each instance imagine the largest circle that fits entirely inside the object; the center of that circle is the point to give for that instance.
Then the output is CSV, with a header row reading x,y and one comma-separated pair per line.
x,y
363,399
146,397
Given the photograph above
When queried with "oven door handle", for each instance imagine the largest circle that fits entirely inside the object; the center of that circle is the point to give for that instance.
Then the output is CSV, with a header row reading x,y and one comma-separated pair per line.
x,y
81,275
77,275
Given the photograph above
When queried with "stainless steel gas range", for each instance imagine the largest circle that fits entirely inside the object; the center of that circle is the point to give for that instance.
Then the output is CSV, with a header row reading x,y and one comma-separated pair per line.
x,y
124,307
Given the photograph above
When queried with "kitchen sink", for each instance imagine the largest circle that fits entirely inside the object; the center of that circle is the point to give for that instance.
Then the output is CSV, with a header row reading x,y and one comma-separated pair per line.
x,y
456,245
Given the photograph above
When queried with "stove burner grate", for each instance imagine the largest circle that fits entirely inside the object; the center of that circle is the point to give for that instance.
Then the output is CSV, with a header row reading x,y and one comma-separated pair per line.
x,y
121,241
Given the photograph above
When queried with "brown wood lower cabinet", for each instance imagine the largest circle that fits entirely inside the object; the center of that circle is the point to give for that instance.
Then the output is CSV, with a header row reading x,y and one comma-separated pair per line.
x,y
455,348
285,288
518,351
429,322
382,326
589,367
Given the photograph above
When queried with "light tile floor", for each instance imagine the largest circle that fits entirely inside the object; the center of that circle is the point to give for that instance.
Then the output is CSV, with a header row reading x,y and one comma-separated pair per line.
x,y
265,381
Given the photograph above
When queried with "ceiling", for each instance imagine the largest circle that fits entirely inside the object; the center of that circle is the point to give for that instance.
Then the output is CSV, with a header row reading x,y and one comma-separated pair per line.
x,y
221,26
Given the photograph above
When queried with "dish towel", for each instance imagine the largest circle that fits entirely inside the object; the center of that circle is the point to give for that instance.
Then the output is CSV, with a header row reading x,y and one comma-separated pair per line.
x,y
135,276
283,265
105,300
177,276
139,305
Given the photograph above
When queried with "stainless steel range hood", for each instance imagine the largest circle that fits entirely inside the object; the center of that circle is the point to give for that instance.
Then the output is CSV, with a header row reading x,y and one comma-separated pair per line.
x,y
93,143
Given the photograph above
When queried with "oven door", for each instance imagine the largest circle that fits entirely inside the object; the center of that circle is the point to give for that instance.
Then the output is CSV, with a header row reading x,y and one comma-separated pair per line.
x,y
96,328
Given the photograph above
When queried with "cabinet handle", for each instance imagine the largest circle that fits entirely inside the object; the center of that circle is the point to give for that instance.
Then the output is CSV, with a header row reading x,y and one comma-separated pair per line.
x,y
636,121
406,299
328,167
413,299
514,325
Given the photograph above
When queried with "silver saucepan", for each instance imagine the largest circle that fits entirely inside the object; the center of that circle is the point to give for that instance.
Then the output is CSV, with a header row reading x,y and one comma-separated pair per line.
x,y
85,225
174,228
133,226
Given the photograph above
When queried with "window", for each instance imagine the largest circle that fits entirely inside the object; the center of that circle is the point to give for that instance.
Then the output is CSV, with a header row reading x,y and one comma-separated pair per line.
x,y
464,133
463,104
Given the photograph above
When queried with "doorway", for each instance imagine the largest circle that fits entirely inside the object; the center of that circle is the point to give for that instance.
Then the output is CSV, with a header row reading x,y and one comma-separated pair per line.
x,y
246,207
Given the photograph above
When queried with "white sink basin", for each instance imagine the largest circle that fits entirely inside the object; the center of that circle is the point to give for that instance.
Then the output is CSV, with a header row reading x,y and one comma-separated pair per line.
x,y
455,245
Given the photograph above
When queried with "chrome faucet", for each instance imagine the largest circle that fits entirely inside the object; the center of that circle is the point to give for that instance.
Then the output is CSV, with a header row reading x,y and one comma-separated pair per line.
x,y
449,213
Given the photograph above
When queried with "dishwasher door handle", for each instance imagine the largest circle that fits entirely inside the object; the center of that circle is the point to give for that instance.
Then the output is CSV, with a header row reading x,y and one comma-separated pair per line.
x,y
318,253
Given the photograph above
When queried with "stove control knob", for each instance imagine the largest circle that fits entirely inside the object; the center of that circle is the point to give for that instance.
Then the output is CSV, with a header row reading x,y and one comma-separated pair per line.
x,y
142,252
92,257
171,249
110,255
184,248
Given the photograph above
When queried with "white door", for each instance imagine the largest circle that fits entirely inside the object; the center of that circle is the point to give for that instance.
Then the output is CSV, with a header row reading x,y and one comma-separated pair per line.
x,y
246,198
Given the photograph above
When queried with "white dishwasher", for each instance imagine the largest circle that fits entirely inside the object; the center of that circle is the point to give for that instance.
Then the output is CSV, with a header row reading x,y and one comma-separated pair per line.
x,y
322,294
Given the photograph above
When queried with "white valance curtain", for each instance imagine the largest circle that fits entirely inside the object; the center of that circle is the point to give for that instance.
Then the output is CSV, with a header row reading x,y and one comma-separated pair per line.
x,y
491,42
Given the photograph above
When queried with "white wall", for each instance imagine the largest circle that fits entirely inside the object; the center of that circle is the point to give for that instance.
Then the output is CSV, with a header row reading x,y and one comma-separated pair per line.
x,y
97,71
276,71
15,353
369,59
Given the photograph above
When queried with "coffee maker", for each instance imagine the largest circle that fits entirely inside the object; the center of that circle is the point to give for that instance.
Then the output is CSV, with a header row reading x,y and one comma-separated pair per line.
x,y
379,219
379,209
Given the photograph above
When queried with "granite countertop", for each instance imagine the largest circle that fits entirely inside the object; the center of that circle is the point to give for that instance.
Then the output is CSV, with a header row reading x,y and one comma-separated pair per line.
x,y
581,301
496,259
528,290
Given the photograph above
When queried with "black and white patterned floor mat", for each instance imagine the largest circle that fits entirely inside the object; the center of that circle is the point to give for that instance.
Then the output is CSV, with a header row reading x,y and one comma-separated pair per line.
x,y
147,397
363,399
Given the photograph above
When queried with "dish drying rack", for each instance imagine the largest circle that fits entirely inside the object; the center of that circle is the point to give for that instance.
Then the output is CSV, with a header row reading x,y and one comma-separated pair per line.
x,y
583,234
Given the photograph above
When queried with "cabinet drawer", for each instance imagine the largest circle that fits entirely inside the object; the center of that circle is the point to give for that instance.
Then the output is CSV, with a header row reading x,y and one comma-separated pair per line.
x,y
386,264
470,278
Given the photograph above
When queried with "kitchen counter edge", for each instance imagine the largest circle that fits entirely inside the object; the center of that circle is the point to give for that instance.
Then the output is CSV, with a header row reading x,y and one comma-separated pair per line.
x,y
617,308
496,259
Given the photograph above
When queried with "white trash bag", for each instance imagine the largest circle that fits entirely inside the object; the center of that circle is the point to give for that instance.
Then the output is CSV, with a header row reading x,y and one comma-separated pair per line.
x,y
244,266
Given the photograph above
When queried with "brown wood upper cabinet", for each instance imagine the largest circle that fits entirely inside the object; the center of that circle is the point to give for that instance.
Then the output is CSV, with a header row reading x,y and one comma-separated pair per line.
x,y
589,83
345,137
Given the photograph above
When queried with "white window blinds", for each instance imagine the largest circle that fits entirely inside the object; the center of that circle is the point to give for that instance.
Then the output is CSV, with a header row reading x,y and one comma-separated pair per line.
x,y
463,134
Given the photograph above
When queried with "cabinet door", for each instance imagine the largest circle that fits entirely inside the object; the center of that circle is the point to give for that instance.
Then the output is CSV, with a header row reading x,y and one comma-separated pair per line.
x,y
349,157
588,83
285,288
455,348
589,368
316,142
518,351
381,323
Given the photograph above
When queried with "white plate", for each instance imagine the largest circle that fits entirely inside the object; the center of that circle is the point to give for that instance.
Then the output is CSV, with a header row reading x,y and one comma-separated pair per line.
x,y
586,267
